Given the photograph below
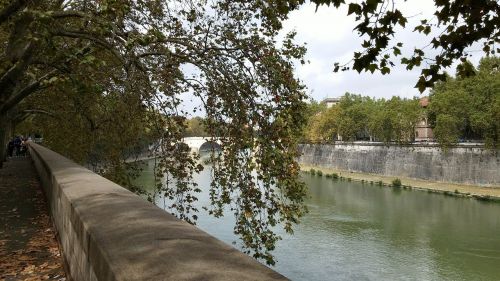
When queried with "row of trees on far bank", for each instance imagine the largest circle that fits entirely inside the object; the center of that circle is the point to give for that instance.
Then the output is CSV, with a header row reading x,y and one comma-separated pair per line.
x,y
358,117
195,127
467,107
462,108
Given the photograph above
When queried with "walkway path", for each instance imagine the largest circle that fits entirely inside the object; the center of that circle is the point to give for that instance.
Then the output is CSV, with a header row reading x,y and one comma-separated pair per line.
x,y
28,245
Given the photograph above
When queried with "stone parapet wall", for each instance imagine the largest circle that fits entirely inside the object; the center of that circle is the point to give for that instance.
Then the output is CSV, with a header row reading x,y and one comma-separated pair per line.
x,y
464,164
108,233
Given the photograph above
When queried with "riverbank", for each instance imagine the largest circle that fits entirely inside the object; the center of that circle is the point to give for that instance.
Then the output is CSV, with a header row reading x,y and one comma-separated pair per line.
x,y
451,189
469,166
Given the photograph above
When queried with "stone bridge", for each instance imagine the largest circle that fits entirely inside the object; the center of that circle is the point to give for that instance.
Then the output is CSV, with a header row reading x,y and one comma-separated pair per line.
x,y
200,144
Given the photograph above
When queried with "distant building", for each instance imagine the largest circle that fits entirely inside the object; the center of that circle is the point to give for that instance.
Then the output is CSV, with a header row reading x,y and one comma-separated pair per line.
x,y
331,102
423,130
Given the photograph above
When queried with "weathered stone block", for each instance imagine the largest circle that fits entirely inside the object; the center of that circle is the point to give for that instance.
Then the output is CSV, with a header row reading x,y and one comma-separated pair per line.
x,y
465,165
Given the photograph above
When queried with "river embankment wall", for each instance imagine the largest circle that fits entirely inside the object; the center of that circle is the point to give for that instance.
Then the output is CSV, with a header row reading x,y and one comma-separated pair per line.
x,y
473,165
108,233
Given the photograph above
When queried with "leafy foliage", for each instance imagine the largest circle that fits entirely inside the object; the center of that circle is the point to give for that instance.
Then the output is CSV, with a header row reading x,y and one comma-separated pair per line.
x,y
107,80
461,108
396,182
458,24
195,127
468,107
356,117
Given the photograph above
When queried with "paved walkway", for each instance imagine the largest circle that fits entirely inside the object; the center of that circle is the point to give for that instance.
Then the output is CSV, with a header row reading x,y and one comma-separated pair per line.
x,y
28,245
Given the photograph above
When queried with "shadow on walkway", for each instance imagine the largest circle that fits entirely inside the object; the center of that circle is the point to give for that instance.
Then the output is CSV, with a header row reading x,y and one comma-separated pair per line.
x,y
28,245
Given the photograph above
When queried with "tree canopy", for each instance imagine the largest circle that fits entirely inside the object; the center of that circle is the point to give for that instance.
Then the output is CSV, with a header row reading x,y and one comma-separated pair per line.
x,y
111,75
461,108
468,107
358,117
195,127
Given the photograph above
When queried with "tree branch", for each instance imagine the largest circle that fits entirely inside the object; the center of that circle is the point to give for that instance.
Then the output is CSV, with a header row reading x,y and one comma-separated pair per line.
x,y
34,111
22,115
9,76
68,14
82,35
90,37
24,92
11,9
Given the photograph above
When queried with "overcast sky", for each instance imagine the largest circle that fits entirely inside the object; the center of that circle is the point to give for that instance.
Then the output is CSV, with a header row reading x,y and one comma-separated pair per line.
x,y
328,33
329,38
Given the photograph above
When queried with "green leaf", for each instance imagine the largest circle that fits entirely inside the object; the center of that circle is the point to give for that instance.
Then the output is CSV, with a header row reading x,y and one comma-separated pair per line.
x,y
372,67
354,8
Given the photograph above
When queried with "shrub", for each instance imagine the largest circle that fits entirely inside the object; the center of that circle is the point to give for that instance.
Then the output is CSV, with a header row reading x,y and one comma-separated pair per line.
x,y
396,182
328,175
335,176
456,191
380,183
312,172
319,173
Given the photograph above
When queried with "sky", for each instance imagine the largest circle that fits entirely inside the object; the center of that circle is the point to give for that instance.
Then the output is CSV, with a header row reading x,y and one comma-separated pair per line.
x,y
329,37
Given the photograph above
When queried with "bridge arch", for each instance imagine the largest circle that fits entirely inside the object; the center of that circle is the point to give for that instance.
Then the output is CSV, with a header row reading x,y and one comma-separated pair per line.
x,y
198,144
209,146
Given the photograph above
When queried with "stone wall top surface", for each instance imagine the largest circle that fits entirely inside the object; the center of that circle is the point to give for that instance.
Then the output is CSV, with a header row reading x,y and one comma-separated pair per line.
x,y
125,237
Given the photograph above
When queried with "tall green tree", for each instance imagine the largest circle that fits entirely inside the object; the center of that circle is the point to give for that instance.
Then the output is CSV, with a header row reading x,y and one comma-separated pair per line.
x,y
195,127
323,125
466,107
111,72
358,117
403,115
352,119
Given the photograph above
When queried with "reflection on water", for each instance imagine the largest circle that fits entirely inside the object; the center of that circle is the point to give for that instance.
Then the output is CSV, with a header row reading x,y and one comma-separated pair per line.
x,y
362,232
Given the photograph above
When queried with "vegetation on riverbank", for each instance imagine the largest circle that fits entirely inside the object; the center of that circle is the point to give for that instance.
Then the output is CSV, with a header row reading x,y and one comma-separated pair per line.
x,y
465,107
450,189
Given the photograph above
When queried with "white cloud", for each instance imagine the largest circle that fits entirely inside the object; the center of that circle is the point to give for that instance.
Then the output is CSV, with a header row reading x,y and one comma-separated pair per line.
x,y
312,25
329,36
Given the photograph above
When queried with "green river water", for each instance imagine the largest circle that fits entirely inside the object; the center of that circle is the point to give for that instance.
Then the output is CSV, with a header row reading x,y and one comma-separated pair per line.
x,y
364,232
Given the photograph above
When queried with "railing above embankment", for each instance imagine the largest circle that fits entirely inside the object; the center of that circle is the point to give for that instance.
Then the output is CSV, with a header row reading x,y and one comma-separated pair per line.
x,y
108,233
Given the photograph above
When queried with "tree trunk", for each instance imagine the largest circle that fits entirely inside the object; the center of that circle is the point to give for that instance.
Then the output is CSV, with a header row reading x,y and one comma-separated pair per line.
x,y
3,140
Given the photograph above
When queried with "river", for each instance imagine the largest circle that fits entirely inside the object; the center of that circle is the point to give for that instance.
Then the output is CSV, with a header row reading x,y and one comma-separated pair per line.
x,y
364,232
